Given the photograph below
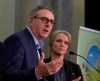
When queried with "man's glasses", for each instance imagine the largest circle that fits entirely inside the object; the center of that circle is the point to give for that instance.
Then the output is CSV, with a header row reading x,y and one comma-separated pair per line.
x,y
46,20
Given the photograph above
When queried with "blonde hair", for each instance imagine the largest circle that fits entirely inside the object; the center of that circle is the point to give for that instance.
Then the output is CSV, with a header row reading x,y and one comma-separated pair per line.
x,y
57,32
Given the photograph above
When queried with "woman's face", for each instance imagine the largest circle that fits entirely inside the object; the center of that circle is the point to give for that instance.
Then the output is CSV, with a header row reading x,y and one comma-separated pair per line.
x,y
60,44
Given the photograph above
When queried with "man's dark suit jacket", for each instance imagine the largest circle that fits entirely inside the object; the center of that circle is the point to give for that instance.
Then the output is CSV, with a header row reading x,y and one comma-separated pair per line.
x,y
70,69
0,60
19,57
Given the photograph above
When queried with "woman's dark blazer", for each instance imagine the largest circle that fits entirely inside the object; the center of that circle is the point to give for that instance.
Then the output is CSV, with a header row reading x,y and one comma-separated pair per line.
x,y
72,70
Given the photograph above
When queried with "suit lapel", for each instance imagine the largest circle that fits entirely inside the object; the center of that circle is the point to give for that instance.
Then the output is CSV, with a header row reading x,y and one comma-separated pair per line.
x,y
32,45
34,50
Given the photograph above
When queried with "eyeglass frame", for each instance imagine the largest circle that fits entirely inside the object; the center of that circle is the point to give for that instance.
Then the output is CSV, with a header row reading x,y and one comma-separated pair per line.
x,y
46,20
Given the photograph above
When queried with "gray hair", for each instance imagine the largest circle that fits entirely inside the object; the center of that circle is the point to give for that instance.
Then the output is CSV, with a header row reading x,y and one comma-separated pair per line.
x,y
38,8
60,31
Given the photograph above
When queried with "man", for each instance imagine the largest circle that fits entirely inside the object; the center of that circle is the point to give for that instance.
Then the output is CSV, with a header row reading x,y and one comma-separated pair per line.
x,y
21,59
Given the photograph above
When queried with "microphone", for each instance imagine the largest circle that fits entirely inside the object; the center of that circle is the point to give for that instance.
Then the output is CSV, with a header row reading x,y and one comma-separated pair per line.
x,y
72,53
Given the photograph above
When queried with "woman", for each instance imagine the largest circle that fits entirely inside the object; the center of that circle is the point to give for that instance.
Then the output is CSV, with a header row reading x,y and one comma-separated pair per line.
x,y
59,45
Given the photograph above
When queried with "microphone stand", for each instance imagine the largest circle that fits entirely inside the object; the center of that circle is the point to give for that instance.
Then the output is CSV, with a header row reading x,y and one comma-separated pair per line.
x,y
72,53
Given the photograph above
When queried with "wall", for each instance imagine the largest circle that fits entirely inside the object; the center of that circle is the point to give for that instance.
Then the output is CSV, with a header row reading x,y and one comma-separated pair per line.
x,y
7,18
78,20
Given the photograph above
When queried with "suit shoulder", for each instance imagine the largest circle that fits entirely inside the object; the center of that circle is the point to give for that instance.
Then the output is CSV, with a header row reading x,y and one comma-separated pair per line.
x,y
12,40
13,36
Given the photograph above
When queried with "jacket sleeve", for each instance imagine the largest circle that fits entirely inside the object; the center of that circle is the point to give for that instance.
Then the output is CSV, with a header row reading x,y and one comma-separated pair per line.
x,y
73,70
77,70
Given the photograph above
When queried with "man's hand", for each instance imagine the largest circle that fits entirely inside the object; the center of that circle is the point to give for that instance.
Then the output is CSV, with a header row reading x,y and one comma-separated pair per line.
x,y
45,69
77,79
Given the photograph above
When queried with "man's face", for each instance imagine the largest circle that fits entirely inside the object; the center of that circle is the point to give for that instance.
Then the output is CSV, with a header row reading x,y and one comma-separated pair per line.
x,y
41,25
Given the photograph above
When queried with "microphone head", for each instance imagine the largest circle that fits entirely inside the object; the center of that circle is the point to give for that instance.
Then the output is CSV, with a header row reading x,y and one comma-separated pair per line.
x,y
72,53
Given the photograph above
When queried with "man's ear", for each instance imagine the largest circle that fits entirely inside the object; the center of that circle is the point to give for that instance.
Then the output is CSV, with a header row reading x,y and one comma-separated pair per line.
x,y
31,19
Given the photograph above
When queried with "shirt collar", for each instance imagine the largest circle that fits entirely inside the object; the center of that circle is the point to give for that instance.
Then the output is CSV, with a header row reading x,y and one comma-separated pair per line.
x,y
38,44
